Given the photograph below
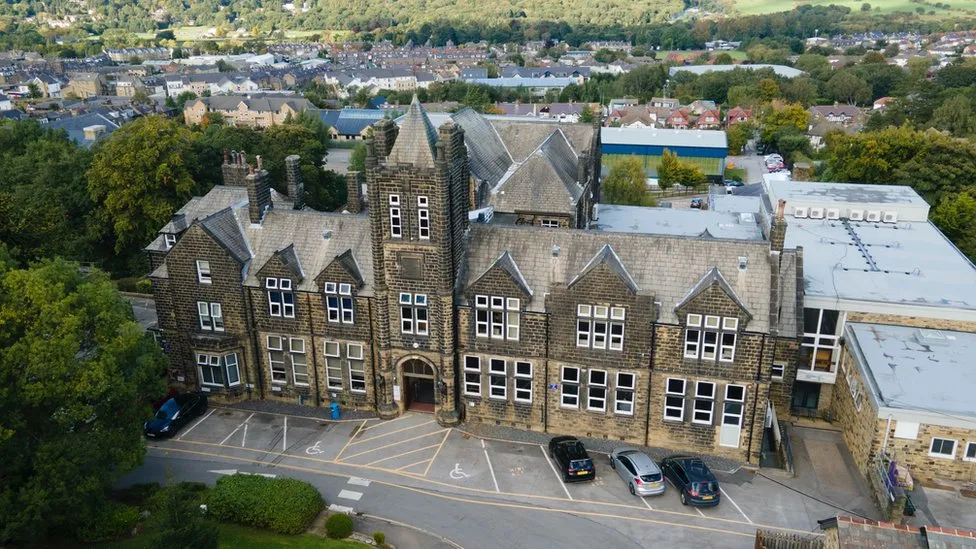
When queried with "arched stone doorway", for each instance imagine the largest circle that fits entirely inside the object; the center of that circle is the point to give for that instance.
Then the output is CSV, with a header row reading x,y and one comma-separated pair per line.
x,y
419,383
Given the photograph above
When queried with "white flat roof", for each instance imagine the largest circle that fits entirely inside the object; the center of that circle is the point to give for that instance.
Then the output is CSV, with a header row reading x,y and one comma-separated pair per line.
x,y
668,221
781,70
891,263
663,137
721,202
921,370
858,193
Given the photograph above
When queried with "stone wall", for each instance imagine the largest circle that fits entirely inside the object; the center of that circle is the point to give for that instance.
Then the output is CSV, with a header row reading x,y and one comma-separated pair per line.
x,y
859,427
919,321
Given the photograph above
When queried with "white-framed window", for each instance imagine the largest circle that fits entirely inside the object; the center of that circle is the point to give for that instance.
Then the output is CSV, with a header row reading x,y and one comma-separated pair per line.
x,y
203,312
598,324
396,220
232,369
299,362
777,371
210,371
570,379
170,240
550,223
596,390
970,454
692,335
338,303
281,300
497,317
710,337
217,315
943,448
855,388
523,382
472,376
413,314
674,399
423,218
203,272
704,405
730,327
357,368
733,408
497,383
333,366
623,402
276,360
821,334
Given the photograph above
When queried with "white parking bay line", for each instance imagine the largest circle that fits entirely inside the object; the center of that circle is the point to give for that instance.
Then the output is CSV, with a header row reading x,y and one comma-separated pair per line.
x,y
284,436
555,472
340,509
237,429
357,481
194,426
490,468
349,494
648,505
736,505
699,512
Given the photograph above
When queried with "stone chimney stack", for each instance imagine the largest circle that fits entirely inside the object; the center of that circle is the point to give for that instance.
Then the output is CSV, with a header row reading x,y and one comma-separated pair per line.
x,y
258,192
354,192
777,229
234,169
296,188
385,133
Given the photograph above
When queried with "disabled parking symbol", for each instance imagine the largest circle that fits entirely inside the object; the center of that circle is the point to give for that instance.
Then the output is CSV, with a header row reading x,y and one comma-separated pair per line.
x,y
314,450
457,473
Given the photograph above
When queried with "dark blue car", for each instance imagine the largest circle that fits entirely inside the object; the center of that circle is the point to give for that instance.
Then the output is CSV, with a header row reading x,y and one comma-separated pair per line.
x,y
174,414
695,483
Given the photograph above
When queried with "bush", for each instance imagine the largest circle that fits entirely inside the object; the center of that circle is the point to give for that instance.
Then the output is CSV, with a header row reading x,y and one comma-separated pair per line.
x,y
177,520
339,526
113,521
379,538
183,491
282,505
137,494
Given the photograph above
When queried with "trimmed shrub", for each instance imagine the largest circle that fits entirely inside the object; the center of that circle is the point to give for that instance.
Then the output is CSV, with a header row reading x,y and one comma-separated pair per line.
x,y
115,520
379,538
282,505
338,526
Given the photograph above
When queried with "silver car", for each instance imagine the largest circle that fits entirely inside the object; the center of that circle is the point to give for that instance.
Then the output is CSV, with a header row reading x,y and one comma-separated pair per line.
x,y
642,475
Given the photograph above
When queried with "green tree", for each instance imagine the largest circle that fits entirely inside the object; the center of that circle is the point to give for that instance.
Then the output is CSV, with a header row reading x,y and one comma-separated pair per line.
x,y
955,215
357,160
140,176
77,374
801,90
627,184
587,115
34,91
768,89
738,135
140,97
783,117
743,96
723,59
848,88
673,171
177,521
955,116
182,98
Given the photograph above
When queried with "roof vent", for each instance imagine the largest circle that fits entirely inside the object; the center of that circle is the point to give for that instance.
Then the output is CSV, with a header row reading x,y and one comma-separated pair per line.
x,y
743,263
874,216
327,234
931,337
555,250
857,215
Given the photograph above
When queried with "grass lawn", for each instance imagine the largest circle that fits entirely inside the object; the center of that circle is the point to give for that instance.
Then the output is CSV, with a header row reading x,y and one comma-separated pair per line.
x,y
240,537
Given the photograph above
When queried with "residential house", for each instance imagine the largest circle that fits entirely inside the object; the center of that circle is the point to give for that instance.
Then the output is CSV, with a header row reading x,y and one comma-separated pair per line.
x,y
678,120
835,114
351,124
737,115
417,305
86,84
882,103
5,103
666,102
709,120
127,86
86,129
255,111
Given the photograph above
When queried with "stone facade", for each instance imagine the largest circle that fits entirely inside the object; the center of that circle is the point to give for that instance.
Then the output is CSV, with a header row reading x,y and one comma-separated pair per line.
x,y
406,305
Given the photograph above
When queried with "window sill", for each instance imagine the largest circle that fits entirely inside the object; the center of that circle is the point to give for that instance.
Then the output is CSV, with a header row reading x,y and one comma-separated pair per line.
x,y
674,420
498,398
942,456
523,402
358,391
568,407
472,397
702,423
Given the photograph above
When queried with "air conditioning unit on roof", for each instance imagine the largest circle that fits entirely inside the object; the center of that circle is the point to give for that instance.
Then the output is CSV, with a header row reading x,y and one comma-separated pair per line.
x,y
874,216
857,215
799,212
833,213
890,217
816,213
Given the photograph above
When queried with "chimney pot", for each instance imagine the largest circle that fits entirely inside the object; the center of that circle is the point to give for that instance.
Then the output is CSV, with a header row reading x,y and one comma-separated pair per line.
x,y
781,209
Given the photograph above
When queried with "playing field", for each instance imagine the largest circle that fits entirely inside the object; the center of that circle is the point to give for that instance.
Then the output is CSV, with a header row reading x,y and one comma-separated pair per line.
x,y
752,7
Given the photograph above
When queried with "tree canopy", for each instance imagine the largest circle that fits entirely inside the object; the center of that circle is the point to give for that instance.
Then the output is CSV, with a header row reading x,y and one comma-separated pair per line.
x,y
626,184
76,378
674,171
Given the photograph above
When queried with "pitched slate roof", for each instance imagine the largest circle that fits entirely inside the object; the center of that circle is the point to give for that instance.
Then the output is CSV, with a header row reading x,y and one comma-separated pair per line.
x,y
507,264
223,227
545,181
415,142
290,260
606,256
489,159
712,277
665,267
348,261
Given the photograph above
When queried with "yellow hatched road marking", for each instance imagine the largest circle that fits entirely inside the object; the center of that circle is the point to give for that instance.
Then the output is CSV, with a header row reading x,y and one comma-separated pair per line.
x,y
351,436
447,434
391,432
404,454
385,446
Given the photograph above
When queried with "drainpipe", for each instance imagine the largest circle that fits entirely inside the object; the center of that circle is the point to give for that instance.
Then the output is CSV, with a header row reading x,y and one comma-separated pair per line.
x,y
884,446
650,372
545,401
315,363
752,426
372,352
254,339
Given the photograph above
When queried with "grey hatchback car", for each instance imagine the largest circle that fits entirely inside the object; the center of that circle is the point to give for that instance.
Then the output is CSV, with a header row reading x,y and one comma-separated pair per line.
x,y
642,475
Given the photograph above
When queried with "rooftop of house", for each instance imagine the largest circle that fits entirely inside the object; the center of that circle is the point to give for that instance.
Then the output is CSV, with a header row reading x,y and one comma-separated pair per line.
x,y
76,125
677,222
260,103
664,137
917,369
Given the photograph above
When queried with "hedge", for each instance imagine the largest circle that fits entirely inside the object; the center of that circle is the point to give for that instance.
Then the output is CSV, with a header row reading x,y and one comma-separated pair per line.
x,y
113,521
282,505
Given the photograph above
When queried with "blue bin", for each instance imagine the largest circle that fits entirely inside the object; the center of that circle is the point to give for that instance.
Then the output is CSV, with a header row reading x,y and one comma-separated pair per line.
x,y
334,408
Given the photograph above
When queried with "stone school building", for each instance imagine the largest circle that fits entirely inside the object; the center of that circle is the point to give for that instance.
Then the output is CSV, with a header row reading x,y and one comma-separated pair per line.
x,y
408,299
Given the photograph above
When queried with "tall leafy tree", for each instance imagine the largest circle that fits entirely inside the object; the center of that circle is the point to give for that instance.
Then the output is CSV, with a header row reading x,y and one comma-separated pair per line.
x,y
140,176
76,376
626,184
955,215
780,118
846,87
955,116
674,171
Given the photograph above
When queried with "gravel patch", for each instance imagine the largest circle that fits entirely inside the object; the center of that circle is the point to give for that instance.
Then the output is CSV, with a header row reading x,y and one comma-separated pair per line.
x,y
285,408
481,430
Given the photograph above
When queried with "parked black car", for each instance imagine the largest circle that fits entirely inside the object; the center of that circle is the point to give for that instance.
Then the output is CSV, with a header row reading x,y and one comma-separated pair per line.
x,y
571,459
174,414
696,485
